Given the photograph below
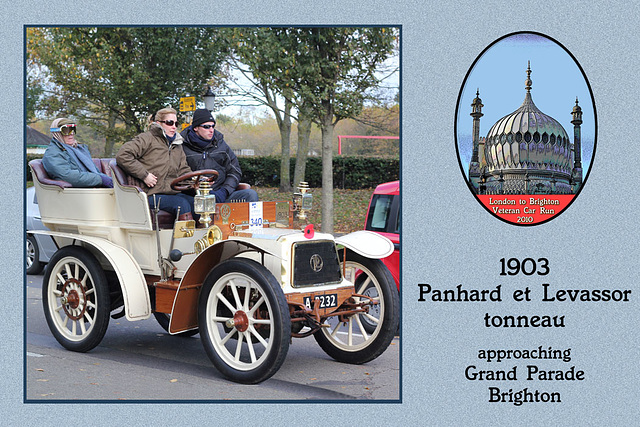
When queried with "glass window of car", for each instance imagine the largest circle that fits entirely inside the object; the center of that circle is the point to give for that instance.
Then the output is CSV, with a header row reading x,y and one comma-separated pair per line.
x,y
379,212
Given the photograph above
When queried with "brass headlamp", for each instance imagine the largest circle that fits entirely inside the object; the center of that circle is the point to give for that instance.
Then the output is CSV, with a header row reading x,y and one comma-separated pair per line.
x,y
303,200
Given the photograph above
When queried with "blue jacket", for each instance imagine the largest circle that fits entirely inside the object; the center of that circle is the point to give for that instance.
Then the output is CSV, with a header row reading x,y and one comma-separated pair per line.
x,y
60,164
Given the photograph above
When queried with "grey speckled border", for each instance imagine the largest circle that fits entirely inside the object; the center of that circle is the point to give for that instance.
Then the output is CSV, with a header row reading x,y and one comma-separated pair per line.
x,y
448,239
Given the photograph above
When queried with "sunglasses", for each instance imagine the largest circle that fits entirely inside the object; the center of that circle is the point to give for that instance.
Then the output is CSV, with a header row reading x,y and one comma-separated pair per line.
x,y
169,122
207,126
65,129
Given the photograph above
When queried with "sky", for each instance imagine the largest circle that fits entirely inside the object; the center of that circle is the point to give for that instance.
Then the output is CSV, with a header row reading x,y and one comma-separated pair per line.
x,y
389,74
500,74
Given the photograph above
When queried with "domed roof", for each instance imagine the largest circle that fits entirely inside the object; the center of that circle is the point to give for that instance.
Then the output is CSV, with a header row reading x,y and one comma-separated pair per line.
x,y
527,118
528,139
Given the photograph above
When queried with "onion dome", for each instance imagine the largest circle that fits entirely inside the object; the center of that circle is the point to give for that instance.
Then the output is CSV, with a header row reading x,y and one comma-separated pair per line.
x,y
528,139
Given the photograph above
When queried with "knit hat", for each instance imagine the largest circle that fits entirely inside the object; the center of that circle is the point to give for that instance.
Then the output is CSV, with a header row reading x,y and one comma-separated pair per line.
x,y
61,121
201,116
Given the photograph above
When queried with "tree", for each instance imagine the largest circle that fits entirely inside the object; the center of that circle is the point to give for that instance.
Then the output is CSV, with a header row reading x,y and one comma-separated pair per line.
x,y
325,73
304,132
113,78
35,84
334,70
262,59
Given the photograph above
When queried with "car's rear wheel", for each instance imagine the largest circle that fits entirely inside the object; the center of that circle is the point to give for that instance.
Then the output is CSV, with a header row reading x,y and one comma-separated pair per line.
x,y
244,321
34,266
75,296
362,337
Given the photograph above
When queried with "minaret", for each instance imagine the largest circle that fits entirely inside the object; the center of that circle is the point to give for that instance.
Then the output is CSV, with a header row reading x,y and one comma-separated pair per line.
x,y
576,113
527,99
474,165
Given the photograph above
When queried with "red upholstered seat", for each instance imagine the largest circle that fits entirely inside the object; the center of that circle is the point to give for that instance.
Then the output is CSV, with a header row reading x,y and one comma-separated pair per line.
x,y
41,175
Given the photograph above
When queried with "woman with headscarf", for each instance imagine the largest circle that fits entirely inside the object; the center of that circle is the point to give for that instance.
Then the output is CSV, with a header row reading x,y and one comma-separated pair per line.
x,y
69,161
156,158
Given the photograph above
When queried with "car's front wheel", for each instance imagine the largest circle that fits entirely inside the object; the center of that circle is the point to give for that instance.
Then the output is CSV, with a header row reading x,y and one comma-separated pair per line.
x,y
75,296
362,337
244,321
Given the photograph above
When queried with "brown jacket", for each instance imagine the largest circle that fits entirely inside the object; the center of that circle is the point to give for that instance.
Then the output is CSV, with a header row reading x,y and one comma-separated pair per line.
x,y
151,152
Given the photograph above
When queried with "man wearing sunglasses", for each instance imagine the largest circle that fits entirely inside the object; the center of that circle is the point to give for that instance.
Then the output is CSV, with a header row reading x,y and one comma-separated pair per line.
x,y
69,161
205,148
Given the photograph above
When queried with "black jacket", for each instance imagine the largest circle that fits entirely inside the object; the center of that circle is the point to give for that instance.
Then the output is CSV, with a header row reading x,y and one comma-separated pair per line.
x,y
217,155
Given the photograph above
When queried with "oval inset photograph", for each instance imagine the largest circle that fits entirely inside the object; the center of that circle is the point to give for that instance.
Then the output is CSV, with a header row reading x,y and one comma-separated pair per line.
x,y
526,128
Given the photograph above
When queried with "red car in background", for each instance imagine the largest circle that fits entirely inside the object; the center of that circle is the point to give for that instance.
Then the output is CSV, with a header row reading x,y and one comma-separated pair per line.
x,y
383,217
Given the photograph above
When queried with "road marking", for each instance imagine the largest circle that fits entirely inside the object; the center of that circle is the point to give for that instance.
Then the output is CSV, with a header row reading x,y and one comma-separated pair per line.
x,y
34,354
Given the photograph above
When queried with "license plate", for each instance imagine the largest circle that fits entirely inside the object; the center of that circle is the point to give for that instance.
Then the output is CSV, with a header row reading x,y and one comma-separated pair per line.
x,y
325,301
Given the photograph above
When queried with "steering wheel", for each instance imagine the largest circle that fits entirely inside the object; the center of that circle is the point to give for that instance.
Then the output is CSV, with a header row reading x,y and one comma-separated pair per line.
x,y
187,181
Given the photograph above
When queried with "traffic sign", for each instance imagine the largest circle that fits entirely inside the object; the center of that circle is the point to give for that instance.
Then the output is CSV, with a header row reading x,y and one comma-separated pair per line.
x,y
188,103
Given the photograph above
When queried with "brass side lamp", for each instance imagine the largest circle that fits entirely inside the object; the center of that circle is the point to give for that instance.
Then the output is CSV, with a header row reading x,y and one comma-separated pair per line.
x,y
204,203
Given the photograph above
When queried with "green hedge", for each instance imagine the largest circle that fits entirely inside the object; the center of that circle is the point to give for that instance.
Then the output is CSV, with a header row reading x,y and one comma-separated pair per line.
x,y
348,172
351,173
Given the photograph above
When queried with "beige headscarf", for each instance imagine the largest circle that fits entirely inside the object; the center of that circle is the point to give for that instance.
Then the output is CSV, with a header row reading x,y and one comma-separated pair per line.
x,y
57,123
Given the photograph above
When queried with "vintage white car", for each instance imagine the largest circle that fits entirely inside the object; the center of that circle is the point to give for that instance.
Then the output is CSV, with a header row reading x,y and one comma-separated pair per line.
x,y
244,277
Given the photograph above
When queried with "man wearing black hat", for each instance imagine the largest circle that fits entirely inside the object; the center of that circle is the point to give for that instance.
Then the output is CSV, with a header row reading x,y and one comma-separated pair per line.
x,y
205,148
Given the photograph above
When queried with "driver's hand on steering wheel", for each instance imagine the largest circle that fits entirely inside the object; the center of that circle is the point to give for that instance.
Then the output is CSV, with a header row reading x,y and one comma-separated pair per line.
x,y
151,180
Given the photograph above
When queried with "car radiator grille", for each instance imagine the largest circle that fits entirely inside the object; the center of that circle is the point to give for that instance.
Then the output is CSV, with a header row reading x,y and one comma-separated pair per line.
x,y
315,263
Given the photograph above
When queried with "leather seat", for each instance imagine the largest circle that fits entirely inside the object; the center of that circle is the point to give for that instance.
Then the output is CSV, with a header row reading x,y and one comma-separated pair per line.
x,y
41,175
